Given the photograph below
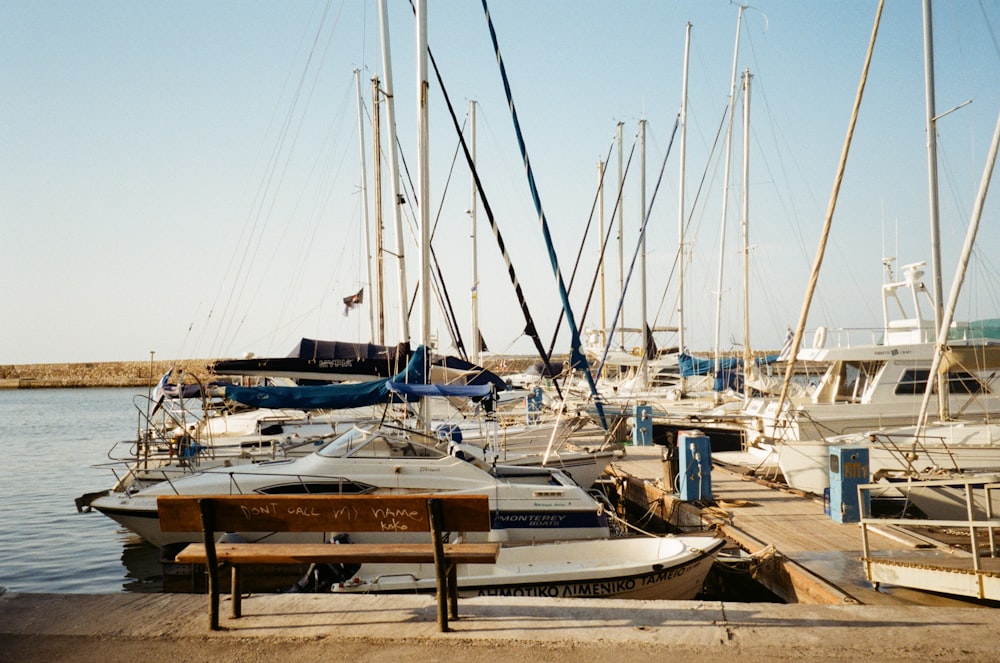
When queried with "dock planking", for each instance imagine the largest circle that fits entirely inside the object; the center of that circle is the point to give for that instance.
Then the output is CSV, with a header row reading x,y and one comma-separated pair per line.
x,y
805,556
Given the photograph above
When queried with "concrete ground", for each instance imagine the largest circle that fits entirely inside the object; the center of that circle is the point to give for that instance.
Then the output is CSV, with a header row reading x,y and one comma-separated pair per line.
x,y
295,628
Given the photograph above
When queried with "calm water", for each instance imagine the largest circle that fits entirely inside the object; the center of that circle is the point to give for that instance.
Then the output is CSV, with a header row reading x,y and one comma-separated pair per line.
x,y
52,439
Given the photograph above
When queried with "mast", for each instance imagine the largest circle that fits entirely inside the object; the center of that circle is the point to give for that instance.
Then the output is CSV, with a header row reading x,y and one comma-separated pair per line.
x,y
956,286
831,207
621,232
932,190
680,201
379,238
745,223
600,235
397,196
364,199
476,339
725,199
423,179
642,257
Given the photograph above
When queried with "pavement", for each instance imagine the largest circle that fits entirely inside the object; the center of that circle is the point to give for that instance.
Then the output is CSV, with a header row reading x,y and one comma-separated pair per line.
x,y
108,628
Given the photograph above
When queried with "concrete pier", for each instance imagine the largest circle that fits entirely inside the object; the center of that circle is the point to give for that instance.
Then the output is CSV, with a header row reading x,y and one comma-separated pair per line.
x,y
297,627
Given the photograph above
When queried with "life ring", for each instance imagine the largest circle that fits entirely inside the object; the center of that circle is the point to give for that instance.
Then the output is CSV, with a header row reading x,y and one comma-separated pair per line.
x,y
819,338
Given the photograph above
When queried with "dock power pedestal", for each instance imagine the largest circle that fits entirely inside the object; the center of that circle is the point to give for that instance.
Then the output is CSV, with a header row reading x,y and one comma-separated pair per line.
x,y
695,454
849,469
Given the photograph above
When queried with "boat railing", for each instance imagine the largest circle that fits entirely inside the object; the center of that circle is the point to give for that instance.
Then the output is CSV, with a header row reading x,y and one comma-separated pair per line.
x,y
975,525
845,337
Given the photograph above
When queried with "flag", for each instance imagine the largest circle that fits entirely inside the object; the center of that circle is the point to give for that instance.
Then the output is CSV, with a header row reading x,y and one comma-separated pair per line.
x,y
353,300
160,391
786,349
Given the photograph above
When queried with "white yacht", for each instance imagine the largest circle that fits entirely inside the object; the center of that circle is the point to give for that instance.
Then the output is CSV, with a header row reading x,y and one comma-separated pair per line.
x,y
873,386
529,503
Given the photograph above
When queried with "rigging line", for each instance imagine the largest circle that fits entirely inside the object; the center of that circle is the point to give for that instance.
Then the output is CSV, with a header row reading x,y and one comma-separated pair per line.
x,y
831,208
583,241
607,234
266,185
444,299
577,359
529,328
642,233
438,283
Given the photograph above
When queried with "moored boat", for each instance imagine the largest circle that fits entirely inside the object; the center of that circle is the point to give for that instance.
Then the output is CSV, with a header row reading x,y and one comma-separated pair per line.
x,y
670,568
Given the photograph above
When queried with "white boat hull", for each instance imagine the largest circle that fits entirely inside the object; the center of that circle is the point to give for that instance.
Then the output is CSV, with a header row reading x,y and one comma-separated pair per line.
x,y
650,568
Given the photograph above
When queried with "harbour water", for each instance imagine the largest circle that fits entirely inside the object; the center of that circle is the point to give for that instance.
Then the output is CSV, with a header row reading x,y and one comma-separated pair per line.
x,y
52,440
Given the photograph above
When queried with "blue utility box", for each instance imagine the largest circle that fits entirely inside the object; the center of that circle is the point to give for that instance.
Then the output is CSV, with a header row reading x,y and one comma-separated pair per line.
x,y
642,426
534,403
848,469
695,454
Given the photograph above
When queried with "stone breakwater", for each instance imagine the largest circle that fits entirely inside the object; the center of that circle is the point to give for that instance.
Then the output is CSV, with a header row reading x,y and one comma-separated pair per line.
x,y
96,374
147,374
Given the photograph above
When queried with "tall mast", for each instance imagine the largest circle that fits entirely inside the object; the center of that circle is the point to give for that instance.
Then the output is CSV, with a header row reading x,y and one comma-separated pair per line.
x,y
963,263
476,340
725,198
364,200
932,188
397,196
621,233
424,187
680,200
745,223
379,235
642,257
600,235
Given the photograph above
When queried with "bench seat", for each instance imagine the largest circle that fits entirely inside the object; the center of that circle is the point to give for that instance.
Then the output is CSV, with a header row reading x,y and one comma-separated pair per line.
x,y
354,553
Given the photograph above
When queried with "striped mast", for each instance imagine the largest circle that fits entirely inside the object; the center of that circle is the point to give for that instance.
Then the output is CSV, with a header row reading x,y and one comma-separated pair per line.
x,y
578,359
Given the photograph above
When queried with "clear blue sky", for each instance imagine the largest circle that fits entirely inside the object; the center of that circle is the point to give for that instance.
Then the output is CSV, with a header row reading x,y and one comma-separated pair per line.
x,y
184,177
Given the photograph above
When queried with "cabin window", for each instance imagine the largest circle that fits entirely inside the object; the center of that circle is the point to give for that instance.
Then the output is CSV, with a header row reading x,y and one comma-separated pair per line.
x,y
914,381
855,378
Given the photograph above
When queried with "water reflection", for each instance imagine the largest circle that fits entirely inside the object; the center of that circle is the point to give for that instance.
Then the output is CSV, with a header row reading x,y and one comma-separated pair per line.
x,y
143,566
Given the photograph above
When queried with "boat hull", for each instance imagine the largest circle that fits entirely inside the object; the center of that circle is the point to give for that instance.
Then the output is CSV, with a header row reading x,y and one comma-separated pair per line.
x,y
659,568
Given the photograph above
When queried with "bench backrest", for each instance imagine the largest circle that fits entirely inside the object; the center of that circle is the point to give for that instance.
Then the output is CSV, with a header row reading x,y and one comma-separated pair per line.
x,y
323,513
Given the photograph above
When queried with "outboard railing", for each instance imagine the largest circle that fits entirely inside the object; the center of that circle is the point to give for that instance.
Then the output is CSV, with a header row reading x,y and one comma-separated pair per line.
x,y
980,516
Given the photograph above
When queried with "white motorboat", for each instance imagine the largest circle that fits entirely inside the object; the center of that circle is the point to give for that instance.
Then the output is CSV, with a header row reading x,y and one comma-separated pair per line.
x,y
672,568
874,386
529,503
960,446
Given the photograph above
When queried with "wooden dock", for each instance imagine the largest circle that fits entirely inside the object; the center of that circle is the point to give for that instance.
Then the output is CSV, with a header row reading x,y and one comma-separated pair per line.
x,y
795,550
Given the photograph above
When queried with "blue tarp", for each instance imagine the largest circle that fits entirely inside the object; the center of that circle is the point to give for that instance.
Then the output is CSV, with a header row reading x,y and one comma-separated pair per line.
x,y
729,375
331,396
444,390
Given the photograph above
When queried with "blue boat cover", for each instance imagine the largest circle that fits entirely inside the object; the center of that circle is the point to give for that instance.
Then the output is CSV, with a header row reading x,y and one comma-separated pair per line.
x,y
730,369
330,396
460,390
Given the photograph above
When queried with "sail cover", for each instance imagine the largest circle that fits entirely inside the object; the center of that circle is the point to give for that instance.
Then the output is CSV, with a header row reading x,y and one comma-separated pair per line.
x,y
443,390
331,396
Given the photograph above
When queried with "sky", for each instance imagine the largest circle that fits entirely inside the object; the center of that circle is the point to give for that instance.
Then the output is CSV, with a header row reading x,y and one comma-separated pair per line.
x,y
186,178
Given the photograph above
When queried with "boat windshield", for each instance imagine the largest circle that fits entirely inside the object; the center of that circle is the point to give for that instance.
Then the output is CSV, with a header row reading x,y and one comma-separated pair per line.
x,y
360,442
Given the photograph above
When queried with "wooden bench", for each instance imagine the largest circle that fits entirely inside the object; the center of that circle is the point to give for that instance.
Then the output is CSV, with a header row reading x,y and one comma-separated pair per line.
x,y
433,514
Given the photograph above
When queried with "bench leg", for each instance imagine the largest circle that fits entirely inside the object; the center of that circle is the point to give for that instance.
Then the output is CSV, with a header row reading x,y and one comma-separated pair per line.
x,y
213,599
453,590
237,591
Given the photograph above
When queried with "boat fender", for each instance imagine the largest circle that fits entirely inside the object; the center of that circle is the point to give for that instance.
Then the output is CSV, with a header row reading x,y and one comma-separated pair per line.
x,y
819,337
322,577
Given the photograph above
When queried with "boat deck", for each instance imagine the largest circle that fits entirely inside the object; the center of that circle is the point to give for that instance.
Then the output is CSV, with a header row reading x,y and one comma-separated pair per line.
x,y
796,550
